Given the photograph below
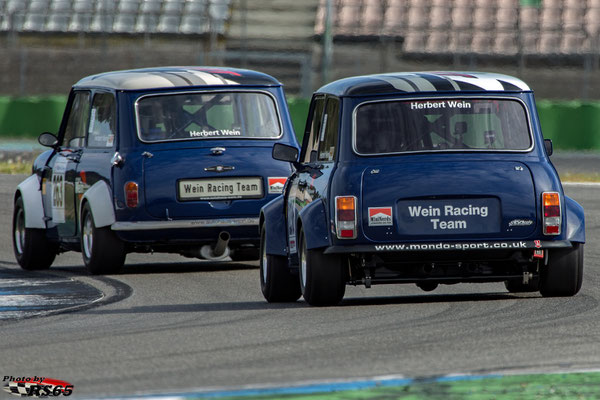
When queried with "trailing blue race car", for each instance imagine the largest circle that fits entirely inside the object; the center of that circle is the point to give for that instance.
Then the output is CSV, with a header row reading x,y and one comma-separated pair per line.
x,y
174,159
425,178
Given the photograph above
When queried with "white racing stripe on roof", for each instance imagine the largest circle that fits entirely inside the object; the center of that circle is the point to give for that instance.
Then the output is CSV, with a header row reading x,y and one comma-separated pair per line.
x,y
211,79
512,80
485,82
139,81
397,83
422,84
453,83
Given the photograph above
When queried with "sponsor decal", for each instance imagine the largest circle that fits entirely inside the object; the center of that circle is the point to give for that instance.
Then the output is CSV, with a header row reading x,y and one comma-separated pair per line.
x,y
380,216
225,188
538,253
276,184
216,132
452,246
36,386
538,244
448,216
520,222
428,105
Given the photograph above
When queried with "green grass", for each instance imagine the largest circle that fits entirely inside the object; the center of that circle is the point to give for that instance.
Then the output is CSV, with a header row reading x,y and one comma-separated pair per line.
x,y
15,167
575,177
574,386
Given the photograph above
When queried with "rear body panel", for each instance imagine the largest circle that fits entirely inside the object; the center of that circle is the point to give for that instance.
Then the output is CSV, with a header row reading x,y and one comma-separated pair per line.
x,y
458,198
192,183
200,190
447,199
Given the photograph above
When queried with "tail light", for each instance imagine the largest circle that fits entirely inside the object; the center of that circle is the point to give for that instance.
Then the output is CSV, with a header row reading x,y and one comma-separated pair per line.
x,y
131,194
345,217
552,214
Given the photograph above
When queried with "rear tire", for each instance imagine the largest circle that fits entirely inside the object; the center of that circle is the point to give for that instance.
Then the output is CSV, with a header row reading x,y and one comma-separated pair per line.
x,y
32,248
322,279
563,275
103,252
277,282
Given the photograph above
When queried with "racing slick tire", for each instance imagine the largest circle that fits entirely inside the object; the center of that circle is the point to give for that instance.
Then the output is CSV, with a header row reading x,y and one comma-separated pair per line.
x,y
517,286
563,275
32,248
277,282
322,279
103,252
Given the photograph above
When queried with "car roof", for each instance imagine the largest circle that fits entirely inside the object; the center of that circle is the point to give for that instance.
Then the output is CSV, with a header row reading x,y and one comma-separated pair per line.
x,y
421,82
171,77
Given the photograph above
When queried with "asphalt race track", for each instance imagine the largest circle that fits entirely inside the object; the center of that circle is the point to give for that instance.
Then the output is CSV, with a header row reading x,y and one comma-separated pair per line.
x,y
170,324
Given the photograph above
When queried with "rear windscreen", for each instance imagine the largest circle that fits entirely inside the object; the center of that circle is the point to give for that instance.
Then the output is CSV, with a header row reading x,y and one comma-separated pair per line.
x,y
441,125
218,115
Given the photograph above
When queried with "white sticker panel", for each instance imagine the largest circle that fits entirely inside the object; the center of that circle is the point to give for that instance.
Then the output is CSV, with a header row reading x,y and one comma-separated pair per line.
x,y
58,190
214,189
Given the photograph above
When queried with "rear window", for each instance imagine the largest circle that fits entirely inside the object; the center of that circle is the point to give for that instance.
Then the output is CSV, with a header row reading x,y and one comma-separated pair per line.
x,y
217,115
437,124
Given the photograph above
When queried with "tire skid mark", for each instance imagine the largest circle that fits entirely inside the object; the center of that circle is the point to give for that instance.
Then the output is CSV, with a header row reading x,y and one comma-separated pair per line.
x,y
28,294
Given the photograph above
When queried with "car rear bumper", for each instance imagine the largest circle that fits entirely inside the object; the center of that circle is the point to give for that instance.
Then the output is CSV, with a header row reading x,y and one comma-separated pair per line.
x,y
449,246
183,224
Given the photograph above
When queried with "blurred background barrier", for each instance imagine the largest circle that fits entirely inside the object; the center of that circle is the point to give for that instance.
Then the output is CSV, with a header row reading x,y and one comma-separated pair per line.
x,y
572,125
553,45
27,117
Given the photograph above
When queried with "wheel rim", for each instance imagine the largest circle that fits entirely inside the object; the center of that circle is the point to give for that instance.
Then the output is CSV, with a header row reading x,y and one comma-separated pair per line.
x,y
87,235
264,263
20,231
303,264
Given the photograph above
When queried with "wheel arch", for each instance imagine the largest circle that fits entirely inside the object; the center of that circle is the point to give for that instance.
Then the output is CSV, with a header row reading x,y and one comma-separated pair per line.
x,y
316,232
575,221
272,217
99,198
29,190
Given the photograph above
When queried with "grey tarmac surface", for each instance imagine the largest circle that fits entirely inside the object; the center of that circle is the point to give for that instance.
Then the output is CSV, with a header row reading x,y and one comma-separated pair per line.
x,y
26,293
189,325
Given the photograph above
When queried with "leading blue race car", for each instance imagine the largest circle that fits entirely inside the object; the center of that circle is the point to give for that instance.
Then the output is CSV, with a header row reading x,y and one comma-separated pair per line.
x,y
173,159
425,178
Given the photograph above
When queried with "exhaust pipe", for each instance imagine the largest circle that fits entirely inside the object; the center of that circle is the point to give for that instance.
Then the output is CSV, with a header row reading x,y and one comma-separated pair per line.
x,y
220,251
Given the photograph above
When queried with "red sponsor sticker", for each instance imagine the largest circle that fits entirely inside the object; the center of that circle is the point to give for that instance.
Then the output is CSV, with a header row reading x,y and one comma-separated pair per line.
x,y
380,216
276,184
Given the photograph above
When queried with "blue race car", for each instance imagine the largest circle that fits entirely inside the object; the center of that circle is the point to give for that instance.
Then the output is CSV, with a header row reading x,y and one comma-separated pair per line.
x,y
425,178
174,159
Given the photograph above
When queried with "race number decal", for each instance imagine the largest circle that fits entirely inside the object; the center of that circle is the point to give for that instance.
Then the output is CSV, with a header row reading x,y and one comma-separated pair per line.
x,y
58,190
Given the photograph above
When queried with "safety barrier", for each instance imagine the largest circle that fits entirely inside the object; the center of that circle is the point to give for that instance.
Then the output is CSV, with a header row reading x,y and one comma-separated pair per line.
x,y
27,117
572,125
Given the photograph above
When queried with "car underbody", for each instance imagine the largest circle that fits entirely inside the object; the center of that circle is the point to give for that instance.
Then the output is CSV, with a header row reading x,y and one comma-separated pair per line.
x,y
446,267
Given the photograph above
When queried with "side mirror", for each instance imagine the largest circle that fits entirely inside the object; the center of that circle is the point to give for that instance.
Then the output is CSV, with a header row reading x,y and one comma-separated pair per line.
x,y
48,139
284,152
548,146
